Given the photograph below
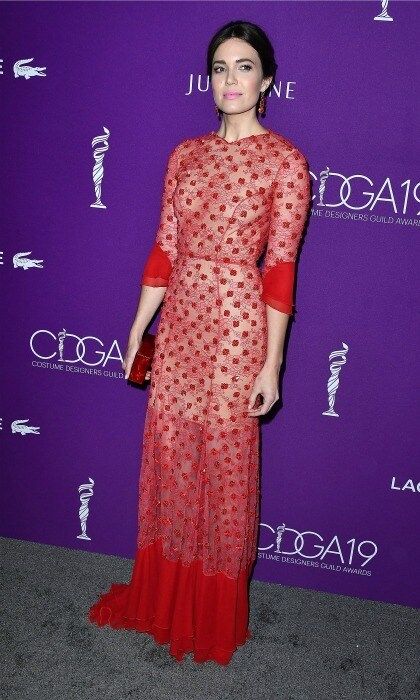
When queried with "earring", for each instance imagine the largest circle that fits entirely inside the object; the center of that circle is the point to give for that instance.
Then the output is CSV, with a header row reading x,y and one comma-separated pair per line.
x,y
261,104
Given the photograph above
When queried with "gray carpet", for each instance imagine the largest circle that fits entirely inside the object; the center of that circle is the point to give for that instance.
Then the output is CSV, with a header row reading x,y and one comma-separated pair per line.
x,y
306,645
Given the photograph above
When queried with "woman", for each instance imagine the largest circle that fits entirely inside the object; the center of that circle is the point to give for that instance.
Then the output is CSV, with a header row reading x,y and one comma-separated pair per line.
x,y
218,349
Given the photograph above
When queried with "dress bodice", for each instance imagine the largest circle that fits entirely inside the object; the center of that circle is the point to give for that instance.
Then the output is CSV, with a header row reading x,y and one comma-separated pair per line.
x,y
225,201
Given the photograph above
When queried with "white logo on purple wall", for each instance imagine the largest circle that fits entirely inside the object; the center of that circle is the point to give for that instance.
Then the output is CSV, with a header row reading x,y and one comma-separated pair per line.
x,y
291,546
86,492
383,15
408,485
333,381
21,260
71,349
18,426
21,70
98,168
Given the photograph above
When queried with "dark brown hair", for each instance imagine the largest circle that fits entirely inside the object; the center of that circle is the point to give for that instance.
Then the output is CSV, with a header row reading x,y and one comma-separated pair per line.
x,y
253,35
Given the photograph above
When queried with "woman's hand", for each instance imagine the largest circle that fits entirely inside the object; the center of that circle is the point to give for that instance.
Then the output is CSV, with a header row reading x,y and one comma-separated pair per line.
x,y
133,345
266,384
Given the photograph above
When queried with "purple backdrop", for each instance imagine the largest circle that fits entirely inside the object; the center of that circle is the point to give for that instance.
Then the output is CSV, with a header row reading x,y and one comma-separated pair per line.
x,y
339,491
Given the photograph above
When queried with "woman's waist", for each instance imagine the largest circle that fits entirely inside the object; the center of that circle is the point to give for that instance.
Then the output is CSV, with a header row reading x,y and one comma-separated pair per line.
x,y
217,259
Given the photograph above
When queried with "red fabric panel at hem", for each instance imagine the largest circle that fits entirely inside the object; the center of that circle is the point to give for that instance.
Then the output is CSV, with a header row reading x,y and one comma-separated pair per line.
x,y
157,269
179,605
278,286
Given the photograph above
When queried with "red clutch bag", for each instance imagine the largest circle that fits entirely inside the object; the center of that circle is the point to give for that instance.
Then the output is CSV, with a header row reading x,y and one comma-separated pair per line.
x,y
143,359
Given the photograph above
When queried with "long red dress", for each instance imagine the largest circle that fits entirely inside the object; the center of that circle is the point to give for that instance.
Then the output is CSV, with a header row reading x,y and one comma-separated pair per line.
x,y
199,488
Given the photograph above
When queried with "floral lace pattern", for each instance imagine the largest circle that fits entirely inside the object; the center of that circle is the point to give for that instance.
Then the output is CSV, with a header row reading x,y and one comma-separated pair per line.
x,y
222,205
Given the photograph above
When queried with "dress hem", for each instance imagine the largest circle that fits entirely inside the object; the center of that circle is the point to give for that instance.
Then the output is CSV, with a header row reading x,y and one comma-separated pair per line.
x,y
176,649
160,591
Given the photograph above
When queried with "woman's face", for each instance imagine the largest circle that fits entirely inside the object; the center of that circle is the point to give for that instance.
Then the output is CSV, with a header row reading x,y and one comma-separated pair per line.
x,y
237,77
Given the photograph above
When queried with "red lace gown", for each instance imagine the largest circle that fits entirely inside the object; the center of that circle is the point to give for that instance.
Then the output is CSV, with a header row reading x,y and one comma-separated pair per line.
x,y
222,204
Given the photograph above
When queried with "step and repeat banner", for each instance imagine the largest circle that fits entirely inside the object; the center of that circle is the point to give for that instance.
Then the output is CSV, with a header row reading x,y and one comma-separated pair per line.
x,y
93,98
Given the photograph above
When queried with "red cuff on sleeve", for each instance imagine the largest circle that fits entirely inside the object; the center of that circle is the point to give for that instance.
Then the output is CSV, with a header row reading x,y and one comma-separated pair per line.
x,y
157,269
278,286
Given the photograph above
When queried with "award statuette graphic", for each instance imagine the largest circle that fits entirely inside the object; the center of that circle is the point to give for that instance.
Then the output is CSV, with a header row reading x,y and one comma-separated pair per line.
x,y
280,531
98,170
86,491
333,382
383,15
62,334
323,176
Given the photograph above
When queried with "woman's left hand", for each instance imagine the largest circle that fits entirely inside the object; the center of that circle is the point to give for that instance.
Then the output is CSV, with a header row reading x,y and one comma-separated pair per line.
x,y
266,384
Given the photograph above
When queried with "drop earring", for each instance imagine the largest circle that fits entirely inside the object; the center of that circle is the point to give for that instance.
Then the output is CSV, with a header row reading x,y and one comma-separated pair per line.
x,y
217,110
261,104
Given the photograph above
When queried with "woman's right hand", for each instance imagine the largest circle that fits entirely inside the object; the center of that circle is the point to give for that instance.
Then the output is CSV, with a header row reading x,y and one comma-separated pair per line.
x,y
133,345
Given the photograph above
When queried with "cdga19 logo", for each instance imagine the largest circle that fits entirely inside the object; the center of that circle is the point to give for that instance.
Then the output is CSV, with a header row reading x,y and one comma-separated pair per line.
x,y
70,348
311,545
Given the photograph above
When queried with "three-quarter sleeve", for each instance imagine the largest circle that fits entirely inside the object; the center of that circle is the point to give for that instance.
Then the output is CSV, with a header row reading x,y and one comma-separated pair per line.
x,y
291,202
162,255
